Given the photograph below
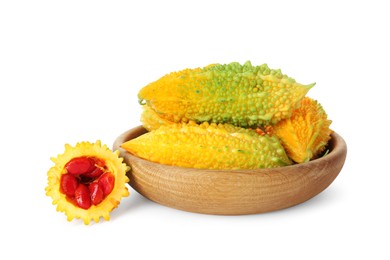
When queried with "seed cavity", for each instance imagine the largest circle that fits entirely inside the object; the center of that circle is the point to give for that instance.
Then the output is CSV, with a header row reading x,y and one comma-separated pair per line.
x,y
86,181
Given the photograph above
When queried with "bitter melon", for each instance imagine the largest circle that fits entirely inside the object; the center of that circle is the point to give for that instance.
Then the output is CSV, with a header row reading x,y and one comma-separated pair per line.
x,y
209,146
306,133
151,120
242,95
87,181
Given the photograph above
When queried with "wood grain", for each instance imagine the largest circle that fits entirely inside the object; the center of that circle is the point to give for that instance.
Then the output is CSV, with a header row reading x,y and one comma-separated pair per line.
x,y
232,192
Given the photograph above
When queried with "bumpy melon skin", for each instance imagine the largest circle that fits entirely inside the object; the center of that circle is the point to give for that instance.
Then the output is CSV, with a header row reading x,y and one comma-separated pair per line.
x,y
114,165
242,95
151,120
209,146
306,133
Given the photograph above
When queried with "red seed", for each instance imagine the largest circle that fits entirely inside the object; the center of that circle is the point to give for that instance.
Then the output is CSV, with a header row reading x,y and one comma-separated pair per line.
x,y
82,196
80,165
97,194
69,184
95,173
106,182
99,163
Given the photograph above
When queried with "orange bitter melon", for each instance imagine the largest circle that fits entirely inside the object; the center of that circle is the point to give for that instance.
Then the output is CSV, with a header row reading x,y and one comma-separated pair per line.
x,y
306,133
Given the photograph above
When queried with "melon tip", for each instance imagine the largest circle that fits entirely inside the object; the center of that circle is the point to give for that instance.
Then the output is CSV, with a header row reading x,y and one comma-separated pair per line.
x,y
309,86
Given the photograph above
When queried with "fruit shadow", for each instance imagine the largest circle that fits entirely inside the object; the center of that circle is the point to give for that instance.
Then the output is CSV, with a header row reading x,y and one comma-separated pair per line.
x,y
136,201
322,200
131,204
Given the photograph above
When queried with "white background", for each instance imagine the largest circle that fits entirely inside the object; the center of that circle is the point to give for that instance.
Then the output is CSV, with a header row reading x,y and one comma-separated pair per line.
x,y
70,71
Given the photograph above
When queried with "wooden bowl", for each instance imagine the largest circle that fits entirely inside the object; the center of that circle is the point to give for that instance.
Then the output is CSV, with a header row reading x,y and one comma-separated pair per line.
x,y
232,192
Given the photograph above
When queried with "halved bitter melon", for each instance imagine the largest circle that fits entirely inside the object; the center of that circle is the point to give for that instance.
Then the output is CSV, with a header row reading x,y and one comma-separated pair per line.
x,y
87,181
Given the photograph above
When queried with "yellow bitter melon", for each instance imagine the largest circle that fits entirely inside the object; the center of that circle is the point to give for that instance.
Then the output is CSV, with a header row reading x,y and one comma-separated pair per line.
x,y
306,134
209,146
151,120
242,95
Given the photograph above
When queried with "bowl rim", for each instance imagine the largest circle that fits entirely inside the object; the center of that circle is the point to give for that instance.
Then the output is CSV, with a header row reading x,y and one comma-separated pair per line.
x,y
337,147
